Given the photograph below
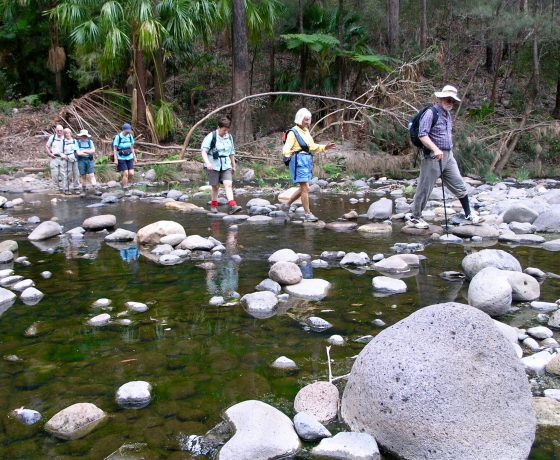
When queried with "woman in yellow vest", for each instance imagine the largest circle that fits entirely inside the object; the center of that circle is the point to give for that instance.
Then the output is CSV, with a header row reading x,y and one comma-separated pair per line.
x,y
298,150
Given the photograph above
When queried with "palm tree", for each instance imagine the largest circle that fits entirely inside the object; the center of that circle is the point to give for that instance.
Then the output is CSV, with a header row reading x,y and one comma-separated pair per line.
x,y
112,34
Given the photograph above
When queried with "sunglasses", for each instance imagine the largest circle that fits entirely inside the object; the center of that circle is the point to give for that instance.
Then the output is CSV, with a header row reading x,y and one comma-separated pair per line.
x,y
450,100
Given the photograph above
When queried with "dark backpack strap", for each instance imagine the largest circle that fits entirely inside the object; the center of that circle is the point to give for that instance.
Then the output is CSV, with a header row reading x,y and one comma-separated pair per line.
x,y
435,115
213,141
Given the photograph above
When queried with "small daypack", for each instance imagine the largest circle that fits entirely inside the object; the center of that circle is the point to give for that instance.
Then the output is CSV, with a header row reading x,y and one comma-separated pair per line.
x,y
301,142
414,125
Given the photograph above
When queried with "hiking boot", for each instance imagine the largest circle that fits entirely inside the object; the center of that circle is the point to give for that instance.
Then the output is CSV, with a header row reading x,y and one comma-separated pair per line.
x,y
235,209
67,192
309,217
417,222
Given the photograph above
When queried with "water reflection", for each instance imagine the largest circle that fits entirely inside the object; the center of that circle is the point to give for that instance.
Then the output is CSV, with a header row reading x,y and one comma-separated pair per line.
x,y
432,289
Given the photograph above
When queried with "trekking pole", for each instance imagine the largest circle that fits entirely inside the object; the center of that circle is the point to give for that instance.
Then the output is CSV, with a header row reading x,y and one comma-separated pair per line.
x,y
67,178
443,192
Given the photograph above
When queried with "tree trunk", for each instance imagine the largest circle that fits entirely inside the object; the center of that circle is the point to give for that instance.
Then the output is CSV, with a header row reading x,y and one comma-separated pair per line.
x,y
393,24
556,111
159,77
241,114
489,64
496,75
340,65
424,26
140,85
448,40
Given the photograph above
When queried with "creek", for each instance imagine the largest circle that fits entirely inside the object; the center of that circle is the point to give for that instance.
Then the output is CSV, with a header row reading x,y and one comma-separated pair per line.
x,y
200,359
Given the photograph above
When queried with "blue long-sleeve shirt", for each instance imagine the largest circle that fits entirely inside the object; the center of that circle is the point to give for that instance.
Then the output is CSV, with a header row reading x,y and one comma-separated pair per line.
x,y
441,133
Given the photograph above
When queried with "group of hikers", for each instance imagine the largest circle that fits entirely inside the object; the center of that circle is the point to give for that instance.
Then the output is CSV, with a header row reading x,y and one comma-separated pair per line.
x,y
72,161
434,132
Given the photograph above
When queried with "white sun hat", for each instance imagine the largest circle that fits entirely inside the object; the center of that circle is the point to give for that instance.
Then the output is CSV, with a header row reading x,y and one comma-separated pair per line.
x,y
83,132
448,91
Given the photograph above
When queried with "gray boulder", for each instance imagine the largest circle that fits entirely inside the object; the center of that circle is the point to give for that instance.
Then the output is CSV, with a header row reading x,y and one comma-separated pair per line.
x,y
386,285
547,411
552,245
173,240
76,421
134,395
6,299
45,230
348,446
9,245
285,273
96,223
6,256
355,258
120,234
309,289
269,285
442,383
320,399
470,231
497,258
519,238
380,209
548,221
152,233
524,287
521,228
261,432
284,255
520,213
31,296
196,242
260,304
490,292
309,428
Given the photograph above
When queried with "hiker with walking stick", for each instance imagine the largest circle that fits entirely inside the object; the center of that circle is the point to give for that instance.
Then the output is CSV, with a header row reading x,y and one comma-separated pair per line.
x,y
435,134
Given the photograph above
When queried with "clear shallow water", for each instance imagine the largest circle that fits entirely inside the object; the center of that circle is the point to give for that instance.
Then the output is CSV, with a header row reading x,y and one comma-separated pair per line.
x,y
200,359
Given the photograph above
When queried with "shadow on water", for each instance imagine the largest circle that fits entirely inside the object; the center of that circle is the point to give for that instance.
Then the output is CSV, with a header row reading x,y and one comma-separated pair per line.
x,y
200,359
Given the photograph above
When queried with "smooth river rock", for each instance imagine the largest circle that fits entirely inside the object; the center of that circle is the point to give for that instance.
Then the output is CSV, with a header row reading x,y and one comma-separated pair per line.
x,y
120,234
76,421
261,432
134,395
497,258
45,230
386,285
348,446
442,383
285,273
260,304
309,289
320,399
490,292
284,255
309,428
96,223
152,233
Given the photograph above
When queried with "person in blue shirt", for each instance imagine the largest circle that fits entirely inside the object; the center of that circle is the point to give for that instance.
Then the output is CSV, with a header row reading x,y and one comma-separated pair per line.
x,y
84,154
125,156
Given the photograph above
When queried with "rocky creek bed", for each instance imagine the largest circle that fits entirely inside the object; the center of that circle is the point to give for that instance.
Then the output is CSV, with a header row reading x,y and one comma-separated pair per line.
x,y
134,325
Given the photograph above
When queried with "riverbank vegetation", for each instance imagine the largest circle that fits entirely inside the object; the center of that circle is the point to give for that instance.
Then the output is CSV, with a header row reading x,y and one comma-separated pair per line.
x,y
365,66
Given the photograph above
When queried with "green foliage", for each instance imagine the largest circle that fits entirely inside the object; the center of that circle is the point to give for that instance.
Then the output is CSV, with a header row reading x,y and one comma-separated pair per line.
x,y
316,42
472,156
8,170
165,120
333,170
375,61
522,174
105,171
491,178
481,113
167,172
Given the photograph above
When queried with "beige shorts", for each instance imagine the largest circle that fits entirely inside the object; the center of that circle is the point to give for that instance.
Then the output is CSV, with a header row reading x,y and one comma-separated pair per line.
x,y
218,177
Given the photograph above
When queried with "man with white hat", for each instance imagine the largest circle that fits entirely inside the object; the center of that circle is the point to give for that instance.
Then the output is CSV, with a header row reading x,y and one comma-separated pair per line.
x,y
54,147
86,165
438,159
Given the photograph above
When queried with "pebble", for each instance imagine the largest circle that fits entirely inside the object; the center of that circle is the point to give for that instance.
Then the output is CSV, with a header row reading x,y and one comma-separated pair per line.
x,y
137,307
46,275
378,322
318,324
99,320
102,303
27,416
216,301
284,363
336,340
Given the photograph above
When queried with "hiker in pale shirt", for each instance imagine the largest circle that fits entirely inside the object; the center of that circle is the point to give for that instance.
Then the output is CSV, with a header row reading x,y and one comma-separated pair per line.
x,y
86,165
70,174
54,149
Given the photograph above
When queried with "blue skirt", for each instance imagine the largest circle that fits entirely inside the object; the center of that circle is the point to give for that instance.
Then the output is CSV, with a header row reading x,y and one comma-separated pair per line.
x,y
301,167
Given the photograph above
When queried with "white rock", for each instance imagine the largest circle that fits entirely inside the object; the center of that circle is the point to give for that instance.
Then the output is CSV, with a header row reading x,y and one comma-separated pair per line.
x,y
31,296
284,255
386,285
310,289
134,395
540,332
45,230
75,421
531,344
99,320
536,364
320,399
260,304
309,428
490,291
336,339
552,393
102,303
196,242
216,301
348,446
137,307
22,285
284,363
285,273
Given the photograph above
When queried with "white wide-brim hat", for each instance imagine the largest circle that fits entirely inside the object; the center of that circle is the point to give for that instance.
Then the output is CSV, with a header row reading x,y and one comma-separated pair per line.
x,y
448,91
83,132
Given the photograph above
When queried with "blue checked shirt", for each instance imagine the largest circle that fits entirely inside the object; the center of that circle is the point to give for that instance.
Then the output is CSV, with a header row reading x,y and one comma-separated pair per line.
x,y
440,134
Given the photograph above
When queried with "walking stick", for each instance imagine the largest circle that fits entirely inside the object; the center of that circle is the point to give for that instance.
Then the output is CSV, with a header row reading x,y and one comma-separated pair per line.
x,y
443,192
67,178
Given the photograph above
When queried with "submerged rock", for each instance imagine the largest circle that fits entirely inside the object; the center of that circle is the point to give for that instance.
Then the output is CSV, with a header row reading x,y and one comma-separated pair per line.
x,y
284,363
76,421
27,416
260,304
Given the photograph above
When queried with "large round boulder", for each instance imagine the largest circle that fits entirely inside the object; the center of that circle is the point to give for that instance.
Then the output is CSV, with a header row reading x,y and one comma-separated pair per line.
x,y
442,383
285,273
490,292
152,233
96,223
520,213
75,421
497,258
548,221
